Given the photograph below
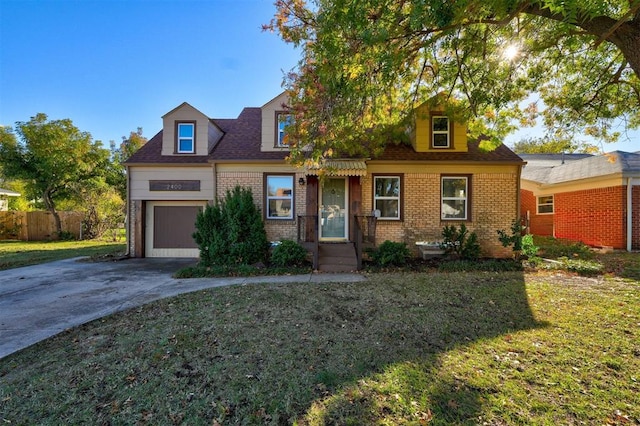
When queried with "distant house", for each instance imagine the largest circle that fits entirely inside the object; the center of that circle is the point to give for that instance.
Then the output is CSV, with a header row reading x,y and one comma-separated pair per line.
x,y
441,178
4,198
582,197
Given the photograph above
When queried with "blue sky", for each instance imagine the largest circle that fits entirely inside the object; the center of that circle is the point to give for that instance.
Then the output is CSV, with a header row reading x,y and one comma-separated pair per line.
x,y
112,66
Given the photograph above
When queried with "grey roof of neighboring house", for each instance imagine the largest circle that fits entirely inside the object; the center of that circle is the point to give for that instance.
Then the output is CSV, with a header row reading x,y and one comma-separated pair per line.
x,y
552,168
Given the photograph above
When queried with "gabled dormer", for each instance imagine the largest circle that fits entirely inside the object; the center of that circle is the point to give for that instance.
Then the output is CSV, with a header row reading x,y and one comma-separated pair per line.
x,y
435,131
275,119
187,131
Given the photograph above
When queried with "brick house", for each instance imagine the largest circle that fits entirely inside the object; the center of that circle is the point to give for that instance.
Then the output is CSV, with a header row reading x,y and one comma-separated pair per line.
x,y
582,197
414,190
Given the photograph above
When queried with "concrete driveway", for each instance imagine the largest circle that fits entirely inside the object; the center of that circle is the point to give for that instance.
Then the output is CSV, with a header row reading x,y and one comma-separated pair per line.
x,y
37,302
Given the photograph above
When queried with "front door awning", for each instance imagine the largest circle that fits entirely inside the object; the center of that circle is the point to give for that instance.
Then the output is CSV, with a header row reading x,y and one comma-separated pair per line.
x,y
339,168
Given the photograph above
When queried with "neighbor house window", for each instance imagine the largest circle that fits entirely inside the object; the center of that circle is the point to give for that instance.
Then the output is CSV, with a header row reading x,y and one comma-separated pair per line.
x,y
386,196
440,133
186,137
279,201
545,204
455,198
283,120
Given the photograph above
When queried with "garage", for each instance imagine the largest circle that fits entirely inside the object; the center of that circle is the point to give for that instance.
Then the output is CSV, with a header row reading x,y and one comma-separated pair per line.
x,y
169,228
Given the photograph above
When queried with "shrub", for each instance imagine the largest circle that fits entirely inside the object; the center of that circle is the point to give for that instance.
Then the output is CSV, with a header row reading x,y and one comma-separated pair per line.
x,y
231,232
555,248
460,242
514,239
390,253
529,249
288,253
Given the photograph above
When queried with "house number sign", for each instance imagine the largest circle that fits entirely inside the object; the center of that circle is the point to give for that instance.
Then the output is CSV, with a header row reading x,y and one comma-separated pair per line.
x,y
174,185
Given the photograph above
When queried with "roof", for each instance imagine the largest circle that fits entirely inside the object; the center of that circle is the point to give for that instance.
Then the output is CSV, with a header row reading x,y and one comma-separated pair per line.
x,y
401,152
342,167
550,171
9,193
242,141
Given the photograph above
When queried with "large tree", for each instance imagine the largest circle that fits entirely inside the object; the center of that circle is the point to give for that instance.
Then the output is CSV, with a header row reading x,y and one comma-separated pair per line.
x,y
54,158
366,64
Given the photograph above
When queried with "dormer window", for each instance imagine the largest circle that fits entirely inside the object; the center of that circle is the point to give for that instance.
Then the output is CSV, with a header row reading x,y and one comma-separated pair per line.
x,y
283,120
440,132
186,138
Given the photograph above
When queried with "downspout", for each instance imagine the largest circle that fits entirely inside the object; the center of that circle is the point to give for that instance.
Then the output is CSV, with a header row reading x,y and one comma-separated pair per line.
x,y
629,212
213,199
127,217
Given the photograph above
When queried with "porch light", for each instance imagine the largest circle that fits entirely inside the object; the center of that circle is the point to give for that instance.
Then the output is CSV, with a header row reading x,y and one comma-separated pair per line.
x,y
301,181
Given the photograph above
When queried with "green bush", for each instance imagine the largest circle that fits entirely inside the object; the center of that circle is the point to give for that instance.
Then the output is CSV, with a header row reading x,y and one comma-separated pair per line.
x,y
554,248
460,242
231,232
529,249
514,239
390,253
288,253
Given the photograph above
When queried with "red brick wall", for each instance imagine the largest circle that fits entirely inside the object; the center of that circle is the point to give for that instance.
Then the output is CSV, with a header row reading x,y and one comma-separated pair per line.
x,y
635,239
539,224
596,217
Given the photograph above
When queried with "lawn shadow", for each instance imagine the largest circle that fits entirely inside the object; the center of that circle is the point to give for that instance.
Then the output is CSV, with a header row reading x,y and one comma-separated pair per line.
x,y
395,371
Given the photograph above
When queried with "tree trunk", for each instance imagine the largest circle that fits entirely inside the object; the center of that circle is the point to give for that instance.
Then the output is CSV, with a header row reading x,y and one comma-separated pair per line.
x,y
627,38
50,205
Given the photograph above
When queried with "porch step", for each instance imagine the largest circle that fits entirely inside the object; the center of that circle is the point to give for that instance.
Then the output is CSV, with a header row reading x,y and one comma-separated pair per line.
x,y
337,257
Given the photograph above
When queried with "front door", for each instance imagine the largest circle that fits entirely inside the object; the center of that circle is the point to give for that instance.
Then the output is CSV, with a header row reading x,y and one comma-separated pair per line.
x,y
334,215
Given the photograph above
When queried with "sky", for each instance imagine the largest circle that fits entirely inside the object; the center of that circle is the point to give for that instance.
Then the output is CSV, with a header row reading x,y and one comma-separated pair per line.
x,y
112,66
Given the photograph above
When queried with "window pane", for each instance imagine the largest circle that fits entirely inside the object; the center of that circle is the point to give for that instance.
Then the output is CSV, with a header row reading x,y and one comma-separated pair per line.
x,y
279,208
441,139
388,208
185,130
284,120
279,186
454,187
454,209
387,187
185,145
545,209
440,124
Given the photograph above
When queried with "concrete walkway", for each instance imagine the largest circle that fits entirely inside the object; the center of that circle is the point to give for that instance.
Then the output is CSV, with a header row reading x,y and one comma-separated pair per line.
x,y
37,302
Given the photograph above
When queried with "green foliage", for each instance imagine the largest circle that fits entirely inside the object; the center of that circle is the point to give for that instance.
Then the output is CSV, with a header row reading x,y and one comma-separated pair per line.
x,y
582,267
514,239
554,248
119,155
529,249
366,65
288,253
460,242
231,232
390,253
55,159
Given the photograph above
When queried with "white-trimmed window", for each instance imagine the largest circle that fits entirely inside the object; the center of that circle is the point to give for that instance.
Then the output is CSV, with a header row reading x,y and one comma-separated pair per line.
x,y
440,135
279,201
455,198
545,204
186,137
386,196
283,120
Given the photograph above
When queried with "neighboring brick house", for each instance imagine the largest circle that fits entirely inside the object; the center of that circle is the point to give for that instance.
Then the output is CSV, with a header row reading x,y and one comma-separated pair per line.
x,y
416,190
582,197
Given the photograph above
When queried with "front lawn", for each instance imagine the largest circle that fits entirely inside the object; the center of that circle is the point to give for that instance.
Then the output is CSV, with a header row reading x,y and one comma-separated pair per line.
x,y
14,254
404,348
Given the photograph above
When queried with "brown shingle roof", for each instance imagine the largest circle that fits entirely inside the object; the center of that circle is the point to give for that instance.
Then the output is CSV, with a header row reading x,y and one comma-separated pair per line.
x,y
150,153
243,139
401,152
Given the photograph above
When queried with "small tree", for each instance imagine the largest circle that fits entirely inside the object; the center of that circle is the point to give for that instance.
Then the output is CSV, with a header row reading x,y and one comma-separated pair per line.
x,y
231,232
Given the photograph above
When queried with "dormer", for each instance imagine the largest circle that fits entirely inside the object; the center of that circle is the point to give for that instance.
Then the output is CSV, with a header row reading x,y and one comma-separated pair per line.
x,y
435,131
275,119
187,131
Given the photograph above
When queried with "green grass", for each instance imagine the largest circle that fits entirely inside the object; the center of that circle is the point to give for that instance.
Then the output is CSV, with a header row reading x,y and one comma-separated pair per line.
x,y
14,254
403,348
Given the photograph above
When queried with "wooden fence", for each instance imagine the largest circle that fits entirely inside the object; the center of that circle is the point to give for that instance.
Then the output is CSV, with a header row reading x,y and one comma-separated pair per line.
x,y
37,226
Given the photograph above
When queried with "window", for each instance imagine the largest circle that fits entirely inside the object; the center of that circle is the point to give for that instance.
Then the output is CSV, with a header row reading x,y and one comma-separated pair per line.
x,y
283,120
386,196
440,132
455,201
545,204
279,201
186,138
